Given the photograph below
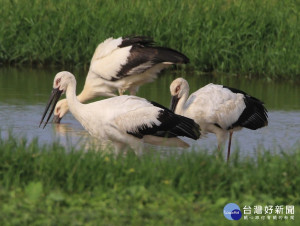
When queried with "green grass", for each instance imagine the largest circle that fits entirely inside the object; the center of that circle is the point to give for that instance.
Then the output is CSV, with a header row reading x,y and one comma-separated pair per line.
x,y
46,185
252,38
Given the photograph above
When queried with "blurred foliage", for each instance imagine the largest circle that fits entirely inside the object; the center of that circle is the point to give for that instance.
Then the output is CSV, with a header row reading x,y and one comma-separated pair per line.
x,y
253,38
45,185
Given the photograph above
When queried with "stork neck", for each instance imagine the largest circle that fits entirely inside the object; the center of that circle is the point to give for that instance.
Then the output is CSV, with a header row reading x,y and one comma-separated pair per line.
x,y
180,108
73,103
86,94
94,86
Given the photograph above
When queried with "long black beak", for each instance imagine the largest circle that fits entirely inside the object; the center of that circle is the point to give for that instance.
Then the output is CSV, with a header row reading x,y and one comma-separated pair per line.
x,y
55,95
56,119
174,102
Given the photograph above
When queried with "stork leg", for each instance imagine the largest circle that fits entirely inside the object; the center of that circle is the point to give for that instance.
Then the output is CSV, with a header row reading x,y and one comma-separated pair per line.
x,y
229,145
221,137
121,91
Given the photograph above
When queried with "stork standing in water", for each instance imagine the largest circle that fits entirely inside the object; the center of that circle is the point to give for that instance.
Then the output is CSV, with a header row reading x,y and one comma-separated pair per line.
x,y
218,109
124,120
122,64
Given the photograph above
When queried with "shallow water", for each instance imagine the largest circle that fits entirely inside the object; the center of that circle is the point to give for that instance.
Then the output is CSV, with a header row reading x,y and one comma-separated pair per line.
x,y
24,94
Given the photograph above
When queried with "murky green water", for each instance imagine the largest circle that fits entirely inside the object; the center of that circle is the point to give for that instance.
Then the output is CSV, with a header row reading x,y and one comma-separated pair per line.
x,y
24,93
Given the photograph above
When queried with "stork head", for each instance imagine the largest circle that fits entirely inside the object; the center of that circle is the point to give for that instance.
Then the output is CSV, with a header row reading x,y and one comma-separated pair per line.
x,y
60,85
61,108
62,80
178,88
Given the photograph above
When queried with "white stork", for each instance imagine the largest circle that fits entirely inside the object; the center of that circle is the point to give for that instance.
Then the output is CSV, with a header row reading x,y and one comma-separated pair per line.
x,y
218,109
124,120
123,64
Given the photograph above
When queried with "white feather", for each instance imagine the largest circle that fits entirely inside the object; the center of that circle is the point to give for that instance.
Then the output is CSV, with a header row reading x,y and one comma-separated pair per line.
x,y
214,104
106,47
211,106
114,118
102,80
108,67
161,141
139,69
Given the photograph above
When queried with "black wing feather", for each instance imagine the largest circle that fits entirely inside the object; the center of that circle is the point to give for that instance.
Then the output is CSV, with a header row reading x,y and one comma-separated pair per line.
x,y
143,52
234,90
136,40
254,115
172,125
148,57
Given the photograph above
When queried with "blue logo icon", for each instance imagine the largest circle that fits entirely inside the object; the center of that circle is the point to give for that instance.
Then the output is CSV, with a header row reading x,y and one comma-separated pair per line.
x,y
232,211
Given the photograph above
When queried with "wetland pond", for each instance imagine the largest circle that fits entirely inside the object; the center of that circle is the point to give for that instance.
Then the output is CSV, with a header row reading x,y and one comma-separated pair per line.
x,y
24,93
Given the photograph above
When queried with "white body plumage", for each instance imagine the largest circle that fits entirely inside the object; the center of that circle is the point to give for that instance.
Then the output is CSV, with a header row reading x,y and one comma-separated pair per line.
x,y
123,64
218,109
124,120
213,105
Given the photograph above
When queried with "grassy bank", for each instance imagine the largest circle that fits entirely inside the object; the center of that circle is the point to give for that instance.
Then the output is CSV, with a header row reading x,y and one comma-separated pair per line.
x,y
253,38
47,186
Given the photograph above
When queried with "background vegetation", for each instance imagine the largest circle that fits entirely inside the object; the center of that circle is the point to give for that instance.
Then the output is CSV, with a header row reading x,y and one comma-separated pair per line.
x,y
45,185
48,186
253,38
